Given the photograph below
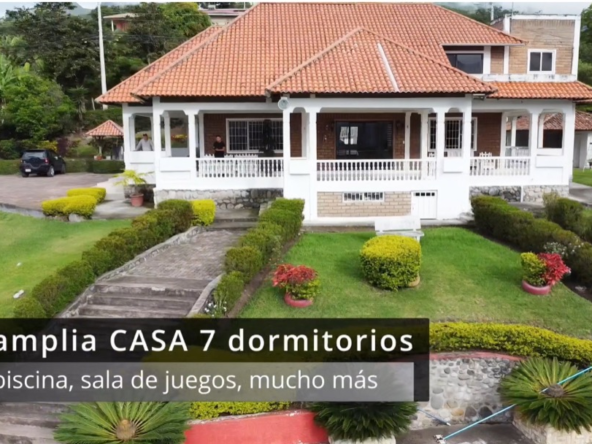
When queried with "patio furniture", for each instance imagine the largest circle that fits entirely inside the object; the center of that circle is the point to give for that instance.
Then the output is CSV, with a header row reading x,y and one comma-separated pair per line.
x,y
409,226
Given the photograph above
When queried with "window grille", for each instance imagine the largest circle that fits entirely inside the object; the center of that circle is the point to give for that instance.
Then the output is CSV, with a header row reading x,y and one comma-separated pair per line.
x,y
452,133
363,197
247,135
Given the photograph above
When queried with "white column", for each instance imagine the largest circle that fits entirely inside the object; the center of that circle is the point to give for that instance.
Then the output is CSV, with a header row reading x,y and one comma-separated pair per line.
x,y
202,136
569,132
304,133
157,143
503,134
440,138
541,131
132,132
286,140
424,141
407,135
533,136
167,135
513,131
467,138
192,142
311,142
127,140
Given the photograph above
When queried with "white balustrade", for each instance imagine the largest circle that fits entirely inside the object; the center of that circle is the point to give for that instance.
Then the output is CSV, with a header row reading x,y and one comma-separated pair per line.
x,y
239,167
375,170
488,165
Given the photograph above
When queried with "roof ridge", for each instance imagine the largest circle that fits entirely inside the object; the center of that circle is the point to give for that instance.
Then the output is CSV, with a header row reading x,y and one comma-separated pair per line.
x,y
314,58
147,67
489,27
193,51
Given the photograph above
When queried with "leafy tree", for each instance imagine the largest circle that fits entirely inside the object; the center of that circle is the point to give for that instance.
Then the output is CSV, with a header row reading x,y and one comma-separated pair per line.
x,y
36,109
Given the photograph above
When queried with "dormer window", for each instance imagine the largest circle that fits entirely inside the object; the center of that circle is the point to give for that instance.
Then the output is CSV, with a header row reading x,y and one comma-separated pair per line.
x,y
541,61
469,59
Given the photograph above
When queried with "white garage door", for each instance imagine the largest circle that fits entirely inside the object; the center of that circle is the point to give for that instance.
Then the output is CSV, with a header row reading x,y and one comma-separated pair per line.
x,y
424,204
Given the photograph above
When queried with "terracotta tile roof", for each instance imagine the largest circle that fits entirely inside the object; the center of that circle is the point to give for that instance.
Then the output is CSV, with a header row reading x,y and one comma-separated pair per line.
x,y
106,129
555,122
272,39
541,90
365,62
122,92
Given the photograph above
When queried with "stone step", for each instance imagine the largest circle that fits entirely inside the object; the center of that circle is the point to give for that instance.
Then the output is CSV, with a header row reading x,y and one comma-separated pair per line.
x,y
236,215
140,301
106,311
25,434
146,285
232,226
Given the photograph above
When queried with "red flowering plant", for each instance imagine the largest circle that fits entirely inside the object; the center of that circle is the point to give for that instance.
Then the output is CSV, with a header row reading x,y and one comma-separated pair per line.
x,y
300,281
555,269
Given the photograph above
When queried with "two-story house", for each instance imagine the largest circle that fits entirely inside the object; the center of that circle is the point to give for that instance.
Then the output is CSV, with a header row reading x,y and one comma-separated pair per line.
x,y
374,109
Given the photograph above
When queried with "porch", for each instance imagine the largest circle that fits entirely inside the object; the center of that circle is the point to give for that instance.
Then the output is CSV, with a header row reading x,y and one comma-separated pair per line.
x,y
441,145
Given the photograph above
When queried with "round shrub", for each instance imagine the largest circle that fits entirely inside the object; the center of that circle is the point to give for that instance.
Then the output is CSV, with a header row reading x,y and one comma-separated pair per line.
x,y
181,213
28,307
54,207
391,262
98,193
361,421
264,241
533,387
246,260
204,212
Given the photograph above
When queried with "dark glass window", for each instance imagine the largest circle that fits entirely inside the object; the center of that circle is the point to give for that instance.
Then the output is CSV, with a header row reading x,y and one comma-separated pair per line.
x,y
541,61
469,63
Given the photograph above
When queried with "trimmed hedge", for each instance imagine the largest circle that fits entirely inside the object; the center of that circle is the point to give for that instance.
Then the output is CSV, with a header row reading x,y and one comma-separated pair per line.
x,y
57,291
268,243
82,205
391,262
183,213
211,410
246,260
229,289
518,340
289,221
497,218
78,165
98,193
204,212
9,167
107,166
293,205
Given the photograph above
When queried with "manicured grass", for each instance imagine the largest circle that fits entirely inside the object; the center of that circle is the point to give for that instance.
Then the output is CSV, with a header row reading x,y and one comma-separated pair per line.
x,y
41,246
463,277
583,177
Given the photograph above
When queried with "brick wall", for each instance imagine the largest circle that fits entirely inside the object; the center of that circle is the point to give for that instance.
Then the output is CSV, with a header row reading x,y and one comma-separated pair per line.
x,y
542,34
497,60
326,131
215,124
394,204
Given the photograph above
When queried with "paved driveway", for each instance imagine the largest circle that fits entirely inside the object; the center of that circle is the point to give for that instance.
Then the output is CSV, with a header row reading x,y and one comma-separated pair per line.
x,y
29,192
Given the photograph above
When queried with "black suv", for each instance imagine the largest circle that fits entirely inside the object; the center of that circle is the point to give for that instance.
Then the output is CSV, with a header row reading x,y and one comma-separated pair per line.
x,y
42,162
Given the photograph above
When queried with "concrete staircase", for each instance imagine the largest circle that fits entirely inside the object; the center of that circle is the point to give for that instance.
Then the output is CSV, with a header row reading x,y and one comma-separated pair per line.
x,y
142,297
237,219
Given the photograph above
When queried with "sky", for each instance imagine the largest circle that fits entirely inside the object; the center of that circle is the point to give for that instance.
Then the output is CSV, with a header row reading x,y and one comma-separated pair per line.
x,y
553,7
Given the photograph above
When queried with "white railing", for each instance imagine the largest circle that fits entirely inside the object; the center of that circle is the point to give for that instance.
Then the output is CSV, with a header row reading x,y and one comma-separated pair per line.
x,y
240,167
500,166
517,151
375,170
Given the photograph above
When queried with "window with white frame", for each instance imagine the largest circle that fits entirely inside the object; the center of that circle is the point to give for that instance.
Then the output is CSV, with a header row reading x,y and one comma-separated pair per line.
x,y
453,133
246,135
363,197
541,61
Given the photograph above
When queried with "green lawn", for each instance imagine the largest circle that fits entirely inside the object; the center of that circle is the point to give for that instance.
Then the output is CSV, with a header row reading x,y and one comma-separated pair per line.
x,y
41,246
583,176
463,277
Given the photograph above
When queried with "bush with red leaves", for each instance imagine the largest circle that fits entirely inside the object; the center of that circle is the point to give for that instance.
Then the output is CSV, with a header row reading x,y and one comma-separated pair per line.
x,y
555,268
300,281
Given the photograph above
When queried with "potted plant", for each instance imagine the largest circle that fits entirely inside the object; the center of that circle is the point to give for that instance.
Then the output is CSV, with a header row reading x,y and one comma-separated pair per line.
x,y
364,422
133,179
300,283
541,272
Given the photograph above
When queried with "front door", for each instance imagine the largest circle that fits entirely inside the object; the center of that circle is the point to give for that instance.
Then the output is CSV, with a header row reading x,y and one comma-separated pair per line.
x,y
364,140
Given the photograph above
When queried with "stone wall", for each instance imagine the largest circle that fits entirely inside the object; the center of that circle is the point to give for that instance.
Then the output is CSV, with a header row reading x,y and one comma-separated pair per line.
x,y
231,199
394,204
464,388
534,193
511,194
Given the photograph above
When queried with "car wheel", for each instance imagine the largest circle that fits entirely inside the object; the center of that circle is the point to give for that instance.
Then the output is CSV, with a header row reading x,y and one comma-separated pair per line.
x,y
63,170
50,172
25,174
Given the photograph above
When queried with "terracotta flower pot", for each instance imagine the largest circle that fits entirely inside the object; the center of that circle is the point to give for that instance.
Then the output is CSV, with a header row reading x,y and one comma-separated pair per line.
x,y
137,200
539,291
297,303
415,283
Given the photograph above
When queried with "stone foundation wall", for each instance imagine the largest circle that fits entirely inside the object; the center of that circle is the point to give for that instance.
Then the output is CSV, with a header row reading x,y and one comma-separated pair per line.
x,y
230,199
464,388
534,193
550,435
394,204
511,194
